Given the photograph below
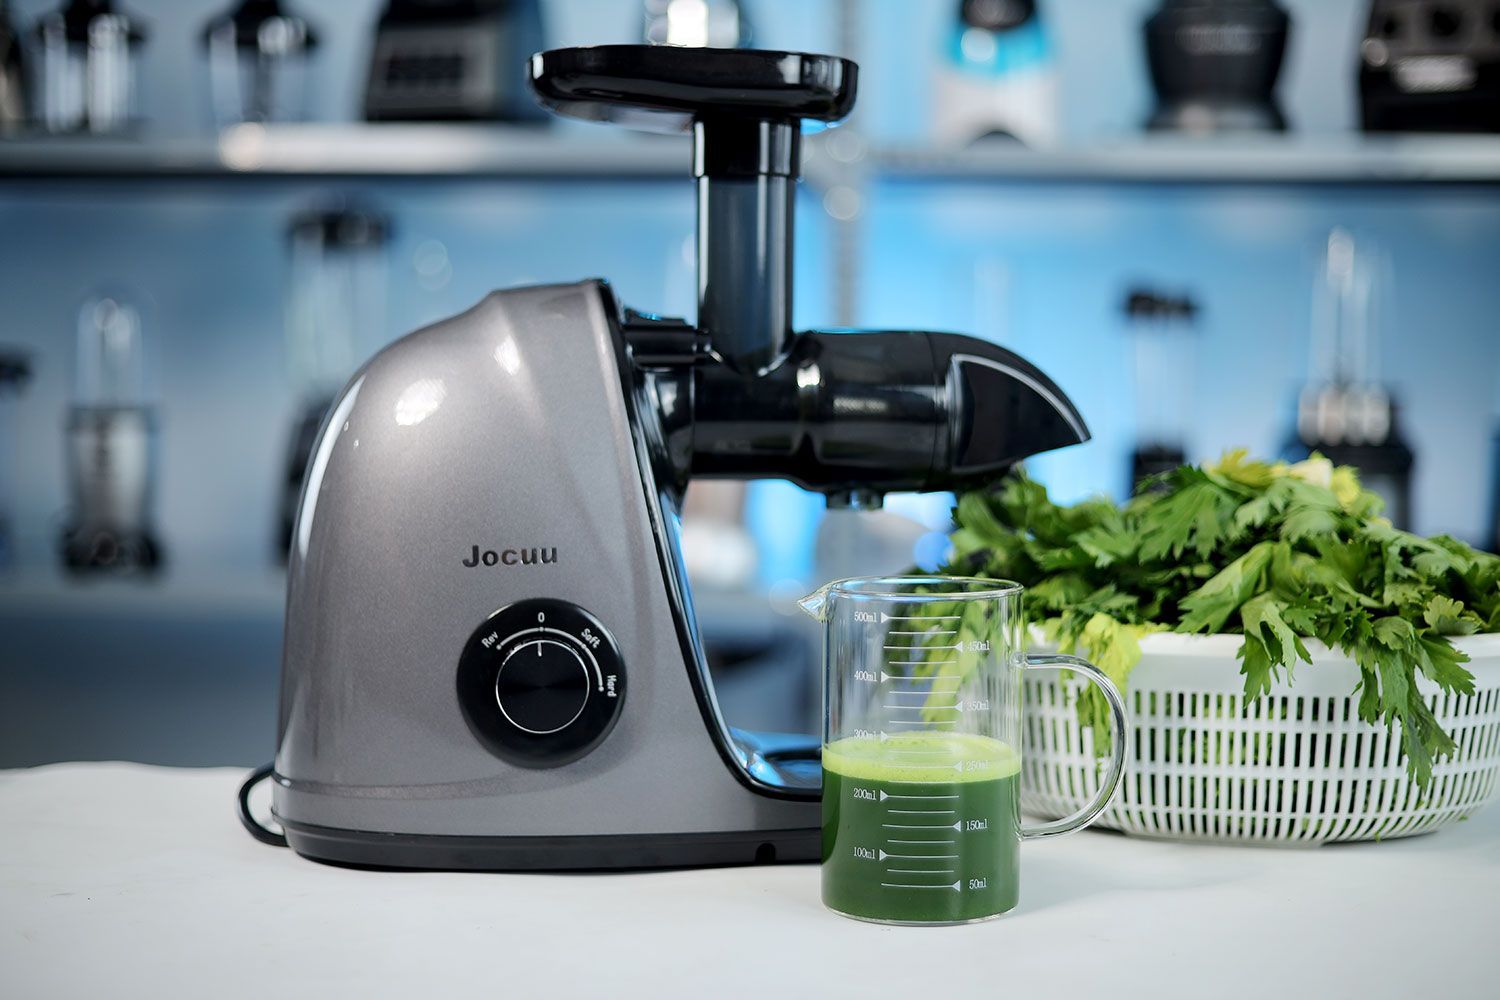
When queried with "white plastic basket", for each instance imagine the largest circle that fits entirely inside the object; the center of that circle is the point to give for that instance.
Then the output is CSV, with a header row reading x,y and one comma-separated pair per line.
x,y
1297,766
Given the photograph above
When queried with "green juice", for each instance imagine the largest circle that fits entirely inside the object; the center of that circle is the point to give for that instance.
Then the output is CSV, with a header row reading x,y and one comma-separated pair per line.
x,y
920,827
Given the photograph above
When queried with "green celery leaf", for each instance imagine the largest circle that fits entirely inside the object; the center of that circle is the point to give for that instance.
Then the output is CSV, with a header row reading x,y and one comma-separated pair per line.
x,y
1447,617
1210,606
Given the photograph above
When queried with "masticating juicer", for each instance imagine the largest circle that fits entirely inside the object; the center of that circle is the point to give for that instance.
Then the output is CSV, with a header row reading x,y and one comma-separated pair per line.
x,y
491,656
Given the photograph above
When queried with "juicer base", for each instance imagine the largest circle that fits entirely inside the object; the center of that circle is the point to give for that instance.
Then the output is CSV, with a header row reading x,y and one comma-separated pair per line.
x,y
367,849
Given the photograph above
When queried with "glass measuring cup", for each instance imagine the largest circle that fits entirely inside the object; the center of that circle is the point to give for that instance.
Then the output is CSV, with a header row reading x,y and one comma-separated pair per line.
x,y
921,747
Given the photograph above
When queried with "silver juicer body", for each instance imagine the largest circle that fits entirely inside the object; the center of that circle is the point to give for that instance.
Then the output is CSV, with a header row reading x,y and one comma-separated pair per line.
x,y
491,658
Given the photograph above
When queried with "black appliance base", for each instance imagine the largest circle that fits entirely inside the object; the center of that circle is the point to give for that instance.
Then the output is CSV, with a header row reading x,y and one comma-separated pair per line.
x,y
1210,116
366,849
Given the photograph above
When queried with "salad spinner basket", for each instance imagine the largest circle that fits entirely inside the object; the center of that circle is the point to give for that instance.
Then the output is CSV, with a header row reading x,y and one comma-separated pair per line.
x,y
1296,766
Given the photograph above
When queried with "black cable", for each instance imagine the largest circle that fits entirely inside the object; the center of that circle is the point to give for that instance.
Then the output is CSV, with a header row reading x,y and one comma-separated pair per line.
x,y
260,832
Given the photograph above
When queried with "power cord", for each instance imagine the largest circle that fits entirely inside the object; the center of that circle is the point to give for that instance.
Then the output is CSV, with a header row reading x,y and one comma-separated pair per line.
x,y
258,830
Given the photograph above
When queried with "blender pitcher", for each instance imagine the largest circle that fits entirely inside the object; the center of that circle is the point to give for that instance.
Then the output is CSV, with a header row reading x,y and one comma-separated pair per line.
x,y
921,747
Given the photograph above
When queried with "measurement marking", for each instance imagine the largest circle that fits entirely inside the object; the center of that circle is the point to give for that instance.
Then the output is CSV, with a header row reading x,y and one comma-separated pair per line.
x,y
929,753
933,767
920,857
923,812
913,663
919,618
893,840
925,631
920,826
921,871
918,694
898,885
893,795
918,680
920,722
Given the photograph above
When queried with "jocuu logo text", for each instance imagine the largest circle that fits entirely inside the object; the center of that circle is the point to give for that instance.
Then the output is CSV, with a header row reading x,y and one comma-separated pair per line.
x,y
509,557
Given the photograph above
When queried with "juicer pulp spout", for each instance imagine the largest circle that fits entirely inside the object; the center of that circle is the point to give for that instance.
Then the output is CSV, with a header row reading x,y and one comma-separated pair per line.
x,y
1000,410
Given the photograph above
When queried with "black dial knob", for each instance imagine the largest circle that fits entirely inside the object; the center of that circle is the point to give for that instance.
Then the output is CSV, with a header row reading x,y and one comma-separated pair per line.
x,y
541,682
543,685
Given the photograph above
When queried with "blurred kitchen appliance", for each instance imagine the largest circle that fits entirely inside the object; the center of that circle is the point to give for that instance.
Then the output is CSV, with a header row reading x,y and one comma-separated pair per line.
x,y
12,74
335,315
87,51
717,549
716,24
1431,66
1164,342
257,63
453,60
997,77
1344,412
1214,65
15,371
491,655
111,445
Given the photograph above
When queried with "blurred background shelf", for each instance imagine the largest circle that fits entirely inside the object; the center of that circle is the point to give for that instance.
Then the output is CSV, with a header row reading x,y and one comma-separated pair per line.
x,y
351,150
434,150
1270,160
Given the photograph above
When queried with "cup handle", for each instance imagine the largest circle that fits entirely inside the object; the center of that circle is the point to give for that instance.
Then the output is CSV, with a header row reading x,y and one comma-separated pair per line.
x,y
1121,726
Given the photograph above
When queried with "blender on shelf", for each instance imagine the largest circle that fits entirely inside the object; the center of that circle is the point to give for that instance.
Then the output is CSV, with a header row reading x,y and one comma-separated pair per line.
x,y
997,76
87,74
15,372
716,24
12,74
1345,412
453,60
1430,66
335,314
1164,345
257,63
111,445
1214,65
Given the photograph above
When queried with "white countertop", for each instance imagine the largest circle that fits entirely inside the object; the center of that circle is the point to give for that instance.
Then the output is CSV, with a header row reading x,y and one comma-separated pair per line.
x,y
121,880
